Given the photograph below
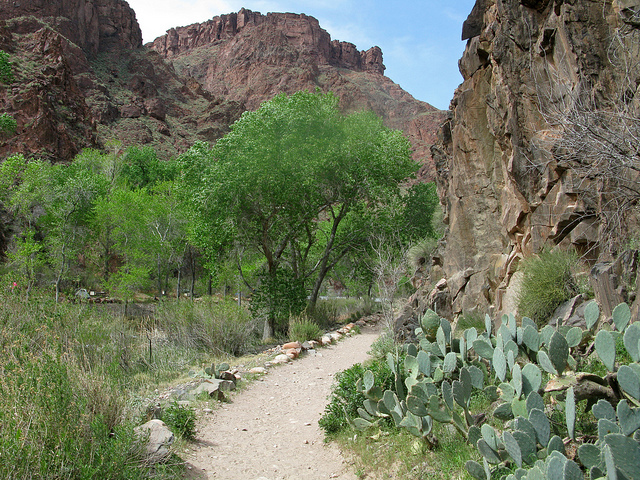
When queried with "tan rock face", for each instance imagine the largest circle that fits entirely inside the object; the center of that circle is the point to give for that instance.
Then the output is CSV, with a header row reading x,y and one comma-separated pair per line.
x,y
505,191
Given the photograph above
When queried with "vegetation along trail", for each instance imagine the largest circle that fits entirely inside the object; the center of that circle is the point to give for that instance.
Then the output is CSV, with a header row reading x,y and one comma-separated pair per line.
x,y
270,431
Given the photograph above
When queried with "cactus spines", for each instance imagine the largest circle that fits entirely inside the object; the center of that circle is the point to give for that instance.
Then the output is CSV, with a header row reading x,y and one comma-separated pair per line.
x,y
558,352
570,408
591,314
629,381
606,349
621,316
632,341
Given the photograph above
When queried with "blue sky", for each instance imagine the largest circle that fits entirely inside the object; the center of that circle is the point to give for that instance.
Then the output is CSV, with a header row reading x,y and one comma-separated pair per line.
x,y
420,40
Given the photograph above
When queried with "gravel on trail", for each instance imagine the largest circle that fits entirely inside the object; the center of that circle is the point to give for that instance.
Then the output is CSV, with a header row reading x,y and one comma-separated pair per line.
x,y
270,430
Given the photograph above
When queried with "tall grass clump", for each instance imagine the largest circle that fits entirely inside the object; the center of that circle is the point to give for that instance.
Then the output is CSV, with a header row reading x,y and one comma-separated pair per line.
x,y
208,325
302,329
547,282
57,419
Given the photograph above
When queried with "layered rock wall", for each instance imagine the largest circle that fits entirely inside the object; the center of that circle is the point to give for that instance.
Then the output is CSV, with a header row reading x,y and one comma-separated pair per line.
x,y
95,26
508,185
302,31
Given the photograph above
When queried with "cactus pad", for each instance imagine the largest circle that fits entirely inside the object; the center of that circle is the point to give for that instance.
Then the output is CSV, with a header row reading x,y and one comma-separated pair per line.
x,y
558,352
632,341
629,381
603,409
621,316
606,349
591,314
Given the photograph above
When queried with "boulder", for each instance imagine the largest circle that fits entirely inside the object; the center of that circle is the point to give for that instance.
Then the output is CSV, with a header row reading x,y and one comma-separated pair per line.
x,y
158,440
290,345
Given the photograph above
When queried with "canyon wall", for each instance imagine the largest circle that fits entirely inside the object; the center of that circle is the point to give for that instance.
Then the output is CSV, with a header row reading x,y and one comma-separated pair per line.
x,y
513,175
247,57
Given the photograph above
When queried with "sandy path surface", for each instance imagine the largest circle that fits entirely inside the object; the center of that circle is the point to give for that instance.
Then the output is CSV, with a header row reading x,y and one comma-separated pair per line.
x,y
270,431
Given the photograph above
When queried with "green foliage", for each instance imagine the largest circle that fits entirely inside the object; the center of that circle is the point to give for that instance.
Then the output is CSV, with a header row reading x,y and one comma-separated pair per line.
x,y
524,430
420,205
6,69
296,181
278,297
8,124
302,329
207,325
546,283
346,398
181,419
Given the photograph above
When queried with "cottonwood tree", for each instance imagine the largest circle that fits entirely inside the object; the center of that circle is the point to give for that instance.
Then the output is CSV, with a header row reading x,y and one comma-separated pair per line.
x,y
299,182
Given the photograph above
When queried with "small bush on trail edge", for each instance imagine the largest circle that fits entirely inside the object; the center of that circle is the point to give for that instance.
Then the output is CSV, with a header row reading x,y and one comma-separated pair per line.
x,y
345,399
546,283
302,329
181,419
384,344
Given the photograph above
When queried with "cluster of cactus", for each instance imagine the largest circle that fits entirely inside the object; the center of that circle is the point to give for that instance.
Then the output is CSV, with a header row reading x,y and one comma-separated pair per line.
x,y
214,371
519,364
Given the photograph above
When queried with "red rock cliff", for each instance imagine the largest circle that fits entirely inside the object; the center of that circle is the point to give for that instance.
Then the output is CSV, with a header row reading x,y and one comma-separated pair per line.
x,y
301,31
95,26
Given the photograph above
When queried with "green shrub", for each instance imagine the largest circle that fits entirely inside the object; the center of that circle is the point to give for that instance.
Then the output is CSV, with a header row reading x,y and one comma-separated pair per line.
x,y
547,282
181,419
8,124
383,345
6,70
302,329
345,398
207,325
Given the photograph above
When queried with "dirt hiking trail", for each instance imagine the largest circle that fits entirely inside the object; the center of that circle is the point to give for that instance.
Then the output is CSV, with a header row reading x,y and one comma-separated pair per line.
x,y
270,430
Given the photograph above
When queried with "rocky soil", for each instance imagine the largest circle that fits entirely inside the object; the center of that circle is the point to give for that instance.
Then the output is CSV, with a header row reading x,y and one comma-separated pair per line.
x,y
270,430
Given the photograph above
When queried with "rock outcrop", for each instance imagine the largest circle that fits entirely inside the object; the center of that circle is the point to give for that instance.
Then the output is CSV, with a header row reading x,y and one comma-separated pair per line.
x,y
95,26
247,57
514,175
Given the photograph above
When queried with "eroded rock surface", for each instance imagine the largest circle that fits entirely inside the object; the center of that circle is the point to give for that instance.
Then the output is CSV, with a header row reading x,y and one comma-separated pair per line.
x,y
506,184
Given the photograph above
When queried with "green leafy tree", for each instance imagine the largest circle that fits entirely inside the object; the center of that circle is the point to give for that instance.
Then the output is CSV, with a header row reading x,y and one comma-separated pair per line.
x,y
297,181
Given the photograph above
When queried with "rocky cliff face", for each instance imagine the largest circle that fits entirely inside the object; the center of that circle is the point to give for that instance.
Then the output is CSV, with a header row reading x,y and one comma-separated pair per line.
x,y
83,79
517,166
95,26
248,58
